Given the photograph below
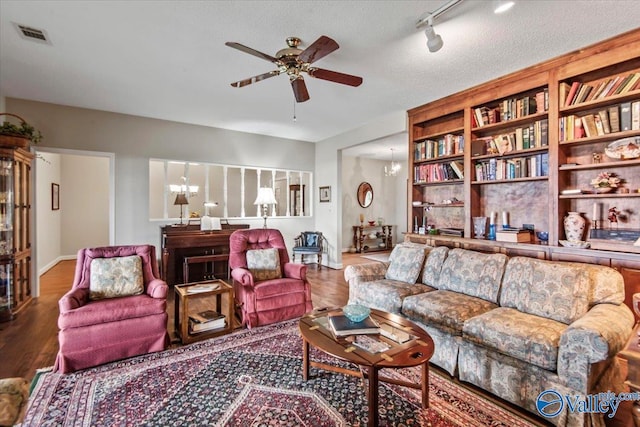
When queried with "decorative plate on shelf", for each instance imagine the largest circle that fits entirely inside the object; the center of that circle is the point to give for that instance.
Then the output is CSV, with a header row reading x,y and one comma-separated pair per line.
x,y
625,148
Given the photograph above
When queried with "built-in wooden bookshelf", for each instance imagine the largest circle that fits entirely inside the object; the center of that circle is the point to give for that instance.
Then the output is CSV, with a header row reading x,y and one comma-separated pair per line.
x,y
525,143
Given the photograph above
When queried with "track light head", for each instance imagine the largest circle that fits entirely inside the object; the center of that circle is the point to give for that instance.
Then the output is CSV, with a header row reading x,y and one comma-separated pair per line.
x,y
434,41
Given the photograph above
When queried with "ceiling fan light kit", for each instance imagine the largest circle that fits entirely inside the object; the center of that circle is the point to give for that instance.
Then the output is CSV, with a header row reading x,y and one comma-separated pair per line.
x,y
293,61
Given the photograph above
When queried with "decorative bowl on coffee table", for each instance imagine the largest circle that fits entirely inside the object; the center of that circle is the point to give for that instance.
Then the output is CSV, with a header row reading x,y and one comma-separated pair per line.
x,y
356,312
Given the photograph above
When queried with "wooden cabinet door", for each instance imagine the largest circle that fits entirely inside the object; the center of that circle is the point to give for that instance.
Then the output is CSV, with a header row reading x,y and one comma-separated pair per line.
x,y
630,270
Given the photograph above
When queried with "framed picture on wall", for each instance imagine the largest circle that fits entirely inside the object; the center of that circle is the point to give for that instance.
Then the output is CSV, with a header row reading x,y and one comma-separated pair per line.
x,y
55,196
325,194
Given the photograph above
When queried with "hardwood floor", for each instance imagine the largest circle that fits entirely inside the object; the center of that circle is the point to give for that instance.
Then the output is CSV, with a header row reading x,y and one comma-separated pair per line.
x,y
30,341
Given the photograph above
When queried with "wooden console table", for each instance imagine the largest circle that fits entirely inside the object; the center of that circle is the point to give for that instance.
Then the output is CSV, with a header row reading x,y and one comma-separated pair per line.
x,y
205,253
363,240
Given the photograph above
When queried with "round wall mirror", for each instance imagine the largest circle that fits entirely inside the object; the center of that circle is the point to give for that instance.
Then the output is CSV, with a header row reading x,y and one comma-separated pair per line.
x,y
365,194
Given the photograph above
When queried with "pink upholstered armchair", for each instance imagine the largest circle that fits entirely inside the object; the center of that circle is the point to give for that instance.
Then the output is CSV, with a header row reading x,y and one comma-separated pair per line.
x,y
101,319
264,301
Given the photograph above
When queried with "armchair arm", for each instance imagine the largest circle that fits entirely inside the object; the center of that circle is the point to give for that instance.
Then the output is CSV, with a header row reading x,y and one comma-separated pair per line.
x,y
157,289
366,272
73,299
295,271
595,337
242,276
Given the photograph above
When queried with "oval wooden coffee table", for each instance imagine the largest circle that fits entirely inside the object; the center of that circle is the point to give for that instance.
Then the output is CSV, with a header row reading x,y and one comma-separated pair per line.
x,y
417,351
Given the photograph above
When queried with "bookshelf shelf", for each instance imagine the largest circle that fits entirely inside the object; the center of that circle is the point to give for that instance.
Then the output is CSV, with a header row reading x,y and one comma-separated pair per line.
x,y
615,99
598,196
510,181
515,153
512,123
454,131
603,165
449,182
602,138
440,159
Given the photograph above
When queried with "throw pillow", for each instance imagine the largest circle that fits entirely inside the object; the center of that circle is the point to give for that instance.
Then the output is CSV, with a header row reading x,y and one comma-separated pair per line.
x,y
264,264
405,263
116,277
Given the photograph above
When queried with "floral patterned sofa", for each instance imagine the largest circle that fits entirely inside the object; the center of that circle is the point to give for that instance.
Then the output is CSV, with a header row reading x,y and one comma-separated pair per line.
x,y
512,326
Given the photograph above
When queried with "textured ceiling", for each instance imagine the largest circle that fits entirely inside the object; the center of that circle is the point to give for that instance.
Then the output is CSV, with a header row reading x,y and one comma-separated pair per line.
x,y
167,59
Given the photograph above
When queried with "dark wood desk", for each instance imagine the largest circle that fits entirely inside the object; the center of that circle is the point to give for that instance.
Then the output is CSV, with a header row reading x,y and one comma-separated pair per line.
x,y
180,243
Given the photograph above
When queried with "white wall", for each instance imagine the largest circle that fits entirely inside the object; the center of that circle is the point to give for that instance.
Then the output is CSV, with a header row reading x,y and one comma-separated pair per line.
x,y
84,203
48,221
134,140
389,196
329,172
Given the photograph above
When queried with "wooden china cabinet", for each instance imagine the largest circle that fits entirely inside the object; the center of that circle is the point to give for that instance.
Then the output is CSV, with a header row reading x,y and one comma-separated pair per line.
x,y
15,235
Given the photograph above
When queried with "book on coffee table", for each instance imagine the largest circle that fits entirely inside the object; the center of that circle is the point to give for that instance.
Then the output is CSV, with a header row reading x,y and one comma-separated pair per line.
x,y
341,326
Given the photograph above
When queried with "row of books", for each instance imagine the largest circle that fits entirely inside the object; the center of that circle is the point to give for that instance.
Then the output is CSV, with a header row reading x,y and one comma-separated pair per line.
x,y
206,321
517,167
447,145
512,108
616,118
533,136
438,172
341,326
577,92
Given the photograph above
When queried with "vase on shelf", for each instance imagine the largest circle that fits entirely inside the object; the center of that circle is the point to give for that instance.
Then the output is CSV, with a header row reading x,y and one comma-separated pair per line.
x,y
574,225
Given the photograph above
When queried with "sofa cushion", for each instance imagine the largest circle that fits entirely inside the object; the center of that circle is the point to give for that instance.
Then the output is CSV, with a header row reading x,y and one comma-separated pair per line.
x,y
264,264
405,263
116,277
433,265
385,294
473,273
532,339
554,290
445,310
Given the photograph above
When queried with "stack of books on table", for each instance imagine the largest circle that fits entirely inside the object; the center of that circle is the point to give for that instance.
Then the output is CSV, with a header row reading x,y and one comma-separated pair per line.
x,y
513,235
341,326
206,320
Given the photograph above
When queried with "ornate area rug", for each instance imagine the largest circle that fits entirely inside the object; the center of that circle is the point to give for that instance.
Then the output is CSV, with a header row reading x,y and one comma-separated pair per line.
x,y
248,378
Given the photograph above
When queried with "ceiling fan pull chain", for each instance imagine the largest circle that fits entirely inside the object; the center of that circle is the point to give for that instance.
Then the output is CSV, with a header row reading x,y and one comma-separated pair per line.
x,y
294,111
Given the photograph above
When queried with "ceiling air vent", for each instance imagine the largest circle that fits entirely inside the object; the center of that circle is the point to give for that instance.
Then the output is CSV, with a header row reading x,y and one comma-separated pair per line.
x,y
33,34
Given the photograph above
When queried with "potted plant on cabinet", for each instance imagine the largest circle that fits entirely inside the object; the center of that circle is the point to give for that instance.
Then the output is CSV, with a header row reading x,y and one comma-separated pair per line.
x,y
18,136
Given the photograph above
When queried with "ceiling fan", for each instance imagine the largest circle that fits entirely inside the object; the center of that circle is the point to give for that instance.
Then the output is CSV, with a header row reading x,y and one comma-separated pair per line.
x,y
294,61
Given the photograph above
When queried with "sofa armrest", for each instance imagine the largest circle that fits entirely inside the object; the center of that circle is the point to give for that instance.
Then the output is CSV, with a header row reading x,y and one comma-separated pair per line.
x,y
295,271
242,276
73,299
595,337
157,289
366,272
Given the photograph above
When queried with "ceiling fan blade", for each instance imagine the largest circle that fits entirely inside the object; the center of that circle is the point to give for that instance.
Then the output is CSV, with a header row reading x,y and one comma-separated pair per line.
x,y
318,49
253,52
300,89
334,76
255,79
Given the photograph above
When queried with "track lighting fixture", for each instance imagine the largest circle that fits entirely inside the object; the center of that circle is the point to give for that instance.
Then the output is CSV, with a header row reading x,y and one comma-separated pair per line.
x,y
434,41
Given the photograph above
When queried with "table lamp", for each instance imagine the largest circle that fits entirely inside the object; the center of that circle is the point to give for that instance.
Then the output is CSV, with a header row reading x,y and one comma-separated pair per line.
x,y
181,199
265,198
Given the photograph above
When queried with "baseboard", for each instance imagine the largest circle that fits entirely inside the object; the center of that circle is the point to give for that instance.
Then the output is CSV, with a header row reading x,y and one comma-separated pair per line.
x,y
54,262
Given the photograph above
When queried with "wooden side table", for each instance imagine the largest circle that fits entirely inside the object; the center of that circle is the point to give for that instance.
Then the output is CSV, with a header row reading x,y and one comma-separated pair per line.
x,y
186,304
631,354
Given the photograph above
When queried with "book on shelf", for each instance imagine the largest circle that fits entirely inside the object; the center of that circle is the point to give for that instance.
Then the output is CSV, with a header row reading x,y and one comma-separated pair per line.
x,y
611,85
628,86
604,119
572,93
635,115
599,126
589,125
206,316
625,116
458,168
614,118
517,236
341,326
196,327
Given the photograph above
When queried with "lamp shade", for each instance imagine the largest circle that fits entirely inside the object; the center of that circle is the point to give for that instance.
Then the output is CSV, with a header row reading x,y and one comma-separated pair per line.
x,y
265,197
181,199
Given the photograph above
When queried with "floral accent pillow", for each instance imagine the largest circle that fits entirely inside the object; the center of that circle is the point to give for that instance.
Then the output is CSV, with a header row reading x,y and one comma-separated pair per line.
x,y
405,263
264,264
116,277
